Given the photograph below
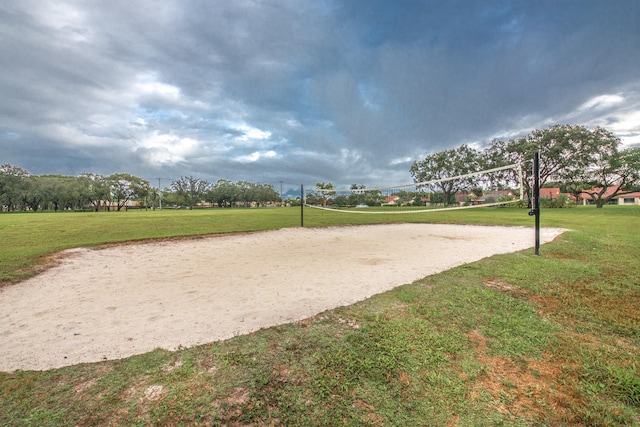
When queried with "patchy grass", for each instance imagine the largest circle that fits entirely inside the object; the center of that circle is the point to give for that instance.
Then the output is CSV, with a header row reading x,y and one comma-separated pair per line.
x,y
514,340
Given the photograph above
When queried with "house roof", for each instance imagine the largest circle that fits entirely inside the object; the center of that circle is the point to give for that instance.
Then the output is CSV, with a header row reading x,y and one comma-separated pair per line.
x,y
550,193
608,192
390,199
636,194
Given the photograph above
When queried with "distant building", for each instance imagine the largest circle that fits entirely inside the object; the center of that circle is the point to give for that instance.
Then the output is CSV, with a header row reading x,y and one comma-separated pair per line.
x,y
625,199
550,193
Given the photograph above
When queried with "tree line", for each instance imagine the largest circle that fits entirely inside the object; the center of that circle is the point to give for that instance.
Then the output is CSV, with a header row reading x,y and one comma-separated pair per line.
x,y
222,193
578,159
20,191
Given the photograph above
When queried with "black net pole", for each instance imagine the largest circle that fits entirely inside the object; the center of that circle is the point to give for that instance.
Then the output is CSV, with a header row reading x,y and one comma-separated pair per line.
x,y
536,199
301,205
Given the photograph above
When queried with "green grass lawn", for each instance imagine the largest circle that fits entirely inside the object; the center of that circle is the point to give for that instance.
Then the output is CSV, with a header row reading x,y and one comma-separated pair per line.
x,y
513,340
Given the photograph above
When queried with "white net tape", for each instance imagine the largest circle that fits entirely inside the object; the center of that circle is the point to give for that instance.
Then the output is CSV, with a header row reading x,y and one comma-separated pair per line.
x,y
492,187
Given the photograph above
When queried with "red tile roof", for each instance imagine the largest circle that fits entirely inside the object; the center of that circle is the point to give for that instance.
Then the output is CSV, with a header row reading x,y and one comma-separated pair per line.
x,y
609,191
550,193
636,194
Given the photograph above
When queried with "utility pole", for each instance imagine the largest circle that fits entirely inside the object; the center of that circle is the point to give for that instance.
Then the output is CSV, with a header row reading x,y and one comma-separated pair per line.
x,y
159,194
281,199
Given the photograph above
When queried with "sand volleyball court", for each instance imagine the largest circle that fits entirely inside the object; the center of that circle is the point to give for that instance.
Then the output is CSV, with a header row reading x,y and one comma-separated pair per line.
x,y
114,302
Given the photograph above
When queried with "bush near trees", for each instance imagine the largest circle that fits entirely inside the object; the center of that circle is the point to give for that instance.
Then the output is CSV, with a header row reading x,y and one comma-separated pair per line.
x,y
19,191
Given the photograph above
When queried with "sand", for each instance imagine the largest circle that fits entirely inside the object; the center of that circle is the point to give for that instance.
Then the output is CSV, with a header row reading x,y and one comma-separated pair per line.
x,y
114,302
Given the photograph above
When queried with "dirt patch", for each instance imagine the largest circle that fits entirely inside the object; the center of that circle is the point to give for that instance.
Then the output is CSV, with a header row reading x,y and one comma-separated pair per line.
x,y
524,388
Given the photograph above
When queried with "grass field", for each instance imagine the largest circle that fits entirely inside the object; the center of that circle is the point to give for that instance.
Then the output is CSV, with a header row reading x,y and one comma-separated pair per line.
x,y
514,340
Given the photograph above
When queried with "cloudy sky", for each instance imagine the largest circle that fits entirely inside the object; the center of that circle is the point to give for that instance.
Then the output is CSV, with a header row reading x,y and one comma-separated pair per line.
x,y
302,91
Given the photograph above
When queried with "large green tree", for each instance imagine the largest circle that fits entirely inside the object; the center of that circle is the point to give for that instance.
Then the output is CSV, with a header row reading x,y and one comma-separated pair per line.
x,y
34,191
58,191
264,193
361,196
12,183
565,151
124,187
224,193
439,170
325,189
191,190
227,193
612,173
247,192
93,190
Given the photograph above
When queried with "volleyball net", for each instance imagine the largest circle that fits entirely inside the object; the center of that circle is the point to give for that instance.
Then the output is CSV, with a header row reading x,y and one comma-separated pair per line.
x,y
493,187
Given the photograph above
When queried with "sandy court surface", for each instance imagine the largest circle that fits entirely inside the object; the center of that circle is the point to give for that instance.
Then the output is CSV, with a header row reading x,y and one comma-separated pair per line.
x,y
119,301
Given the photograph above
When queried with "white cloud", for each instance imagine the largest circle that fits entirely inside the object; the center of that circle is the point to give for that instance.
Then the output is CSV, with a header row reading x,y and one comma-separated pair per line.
x,y
401,161
58,15
627,127
255,156
70,135
166,149
161,89
148,84
251,133
615,112
602,102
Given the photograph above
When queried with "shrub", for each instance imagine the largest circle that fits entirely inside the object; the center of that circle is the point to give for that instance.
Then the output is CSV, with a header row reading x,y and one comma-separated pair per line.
x,y
561,201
